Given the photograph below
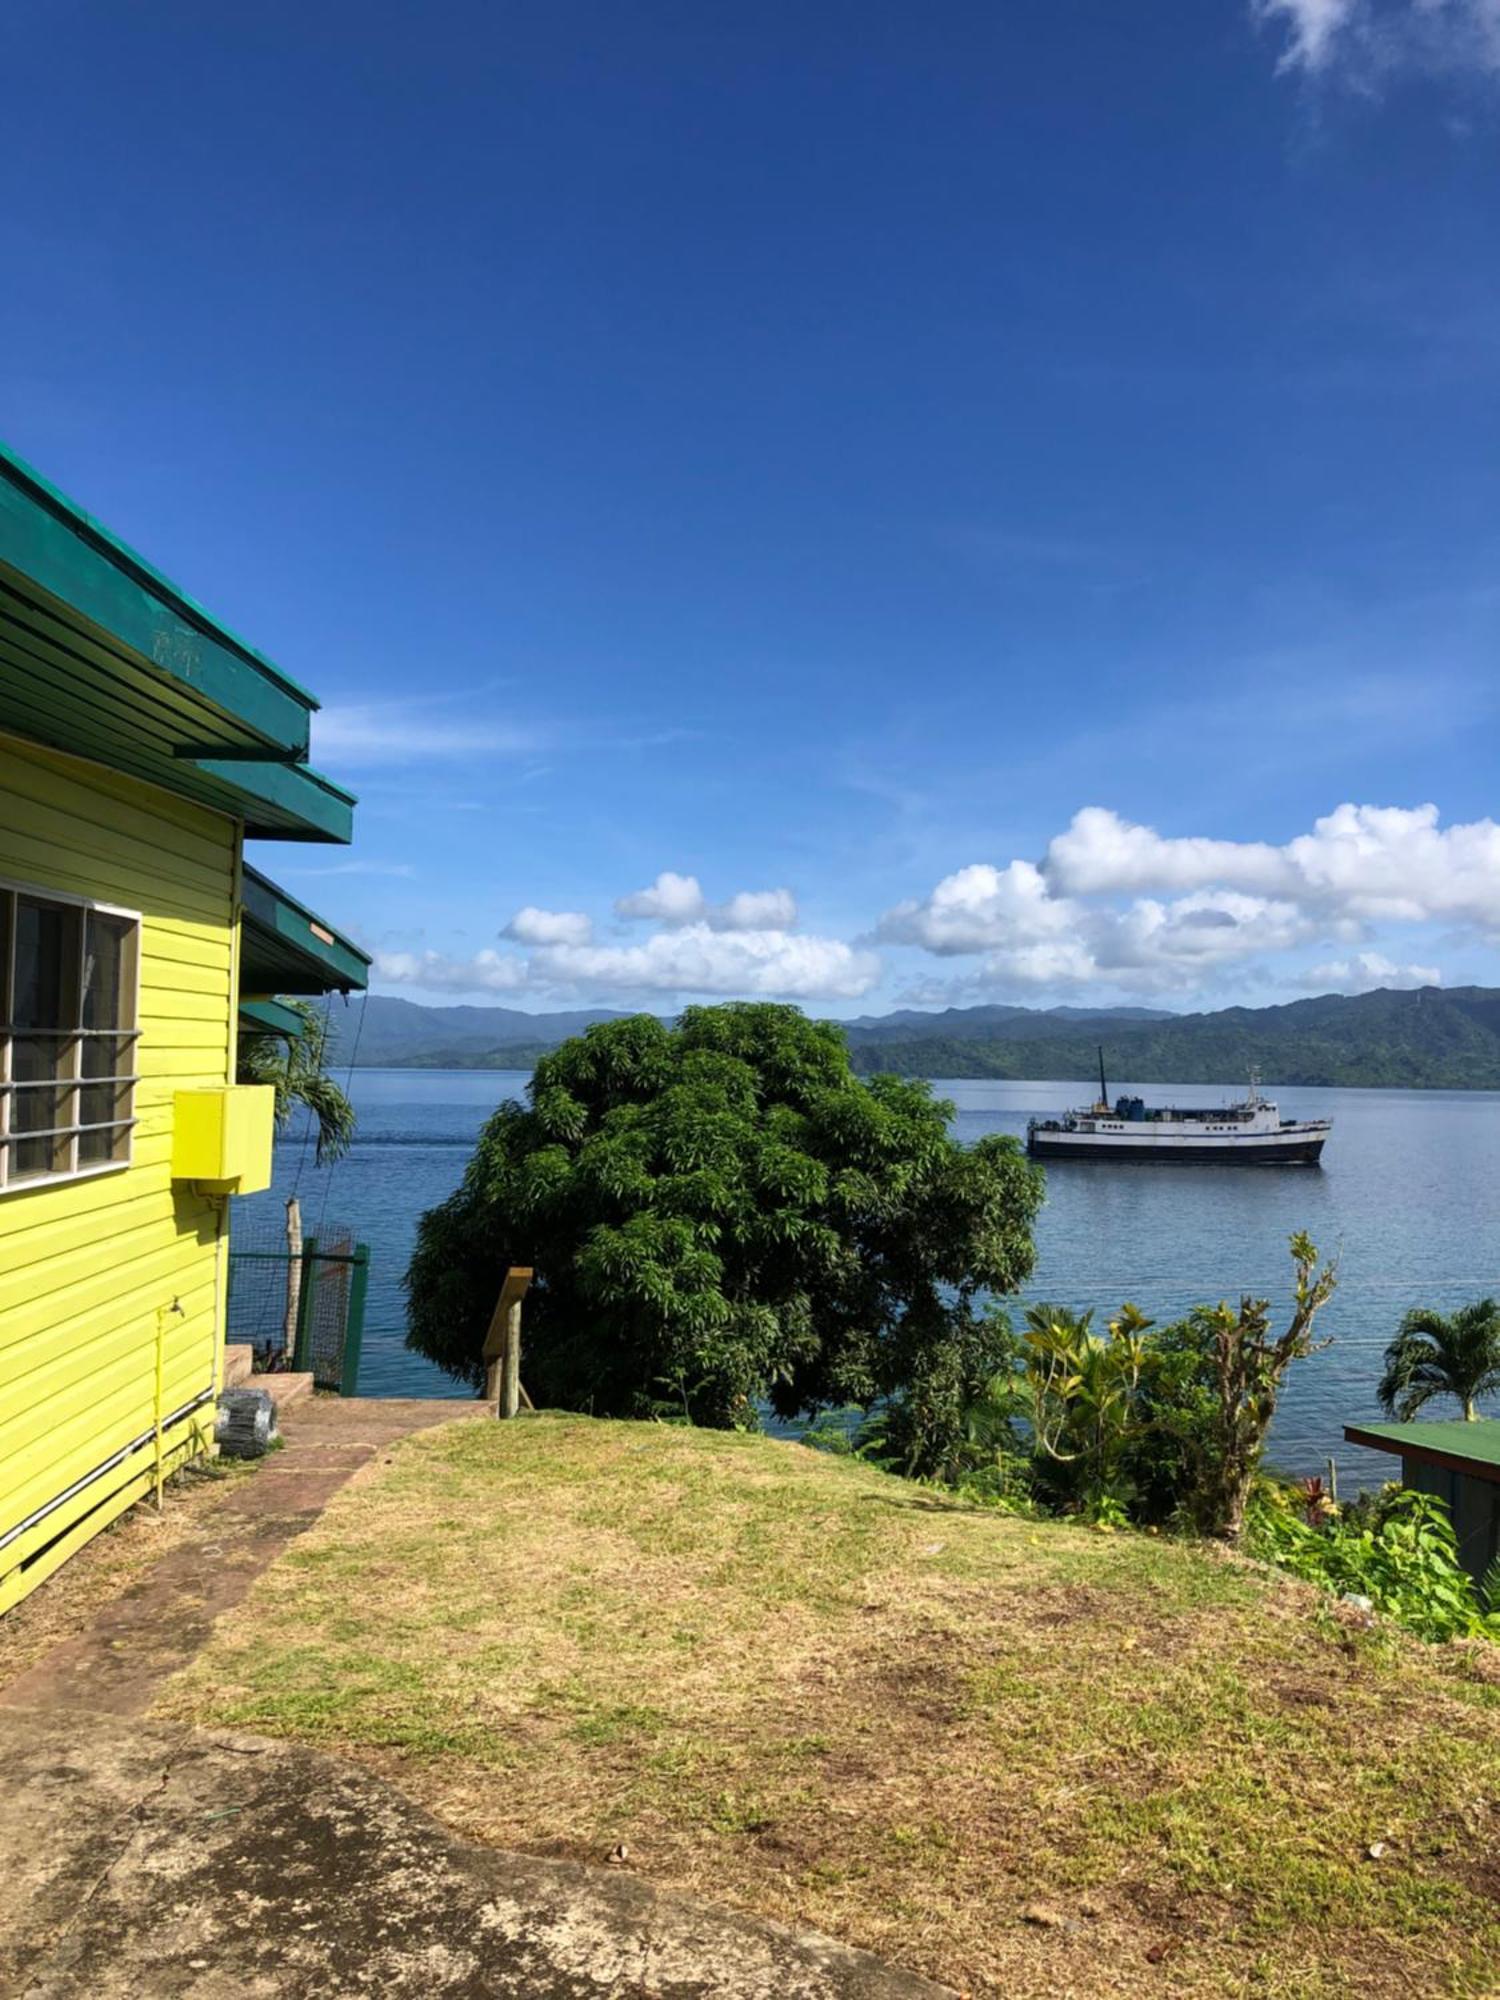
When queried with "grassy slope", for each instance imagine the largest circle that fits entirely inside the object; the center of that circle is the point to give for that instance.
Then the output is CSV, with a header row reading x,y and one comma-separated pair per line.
x,y
789,1682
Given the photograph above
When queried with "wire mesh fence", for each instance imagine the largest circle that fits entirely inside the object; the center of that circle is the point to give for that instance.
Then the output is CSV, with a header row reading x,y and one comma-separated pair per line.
x,y
303,1312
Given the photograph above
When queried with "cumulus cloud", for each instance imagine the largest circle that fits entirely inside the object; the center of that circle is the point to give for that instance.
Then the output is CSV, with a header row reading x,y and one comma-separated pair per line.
x,y
486,972
534,926
679,899
689,958
1361,863
1371,39
1366,971
1118,903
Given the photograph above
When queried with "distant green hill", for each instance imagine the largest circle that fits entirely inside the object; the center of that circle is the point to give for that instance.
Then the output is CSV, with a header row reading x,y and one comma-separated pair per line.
x,y
1427,1040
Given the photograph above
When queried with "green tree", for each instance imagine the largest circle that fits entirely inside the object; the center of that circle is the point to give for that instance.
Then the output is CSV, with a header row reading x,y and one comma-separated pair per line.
x,y
1438,1354
722,1212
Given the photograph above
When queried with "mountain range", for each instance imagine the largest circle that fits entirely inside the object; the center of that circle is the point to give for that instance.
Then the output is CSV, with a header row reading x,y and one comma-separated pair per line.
x,y
1430,1038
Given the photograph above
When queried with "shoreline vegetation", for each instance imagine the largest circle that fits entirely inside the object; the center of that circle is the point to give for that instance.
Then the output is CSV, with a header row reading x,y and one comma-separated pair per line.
x,y
1428,1039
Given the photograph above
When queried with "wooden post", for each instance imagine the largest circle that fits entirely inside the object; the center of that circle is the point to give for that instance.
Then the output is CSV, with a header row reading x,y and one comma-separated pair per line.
x,y
502,1345
510,1384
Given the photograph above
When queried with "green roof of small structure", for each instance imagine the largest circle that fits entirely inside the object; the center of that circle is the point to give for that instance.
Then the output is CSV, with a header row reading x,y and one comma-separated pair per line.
x,y
287,948
270,1017
1453,1442
101,657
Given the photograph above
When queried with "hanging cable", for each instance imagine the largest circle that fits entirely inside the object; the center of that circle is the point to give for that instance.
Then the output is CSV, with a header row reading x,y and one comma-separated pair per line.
x,y
348,1086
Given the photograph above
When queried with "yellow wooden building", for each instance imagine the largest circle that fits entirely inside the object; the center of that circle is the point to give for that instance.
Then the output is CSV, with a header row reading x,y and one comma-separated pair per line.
x,y
141,745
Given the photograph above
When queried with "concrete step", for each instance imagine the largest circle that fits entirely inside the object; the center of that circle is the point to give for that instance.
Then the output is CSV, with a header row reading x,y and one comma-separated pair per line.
x,y
285,1389
239,1364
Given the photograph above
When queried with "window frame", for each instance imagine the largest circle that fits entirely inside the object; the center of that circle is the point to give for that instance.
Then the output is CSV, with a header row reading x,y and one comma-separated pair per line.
x,y
10,890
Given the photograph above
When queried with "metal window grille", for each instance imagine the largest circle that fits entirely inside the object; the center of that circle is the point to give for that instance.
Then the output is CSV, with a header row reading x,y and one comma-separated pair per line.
x,y
69,1001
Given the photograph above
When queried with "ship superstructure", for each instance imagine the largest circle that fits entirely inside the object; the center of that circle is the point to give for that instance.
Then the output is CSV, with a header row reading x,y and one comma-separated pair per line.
x,y
1251,1132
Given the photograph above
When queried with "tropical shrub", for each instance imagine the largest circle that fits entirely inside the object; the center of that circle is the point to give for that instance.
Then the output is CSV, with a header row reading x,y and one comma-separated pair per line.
x,y
721,1213
1400,1553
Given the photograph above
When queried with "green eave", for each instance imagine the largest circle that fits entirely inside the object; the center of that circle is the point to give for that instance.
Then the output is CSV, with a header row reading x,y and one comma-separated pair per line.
x,y
286,948
102,657
269,1017
1464,1447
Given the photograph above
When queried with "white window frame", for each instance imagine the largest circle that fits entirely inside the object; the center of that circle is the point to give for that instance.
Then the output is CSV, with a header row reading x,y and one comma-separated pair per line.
x,y
93,1170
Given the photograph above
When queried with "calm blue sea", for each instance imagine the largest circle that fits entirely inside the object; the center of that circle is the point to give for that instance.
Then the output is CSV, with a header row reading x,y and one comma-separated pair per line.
x,y
1406,1197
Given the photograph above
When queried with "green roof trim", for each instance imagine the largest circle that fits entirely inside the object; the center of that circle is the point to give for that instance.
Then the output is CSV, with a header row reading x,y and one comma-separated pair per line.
x,y
94,534
269,1017
102,657
1463,1446
286,948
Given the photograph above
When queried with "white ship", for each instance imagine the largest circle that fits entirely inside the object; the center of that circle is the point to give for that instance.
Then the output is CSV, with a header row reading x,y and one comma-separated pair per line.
x,y
1251,1133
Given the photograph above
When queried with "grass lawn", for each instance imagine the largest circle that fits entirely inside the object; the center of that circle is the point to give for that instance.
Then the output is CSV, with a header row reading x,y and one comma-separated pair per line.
x,y
1023,1758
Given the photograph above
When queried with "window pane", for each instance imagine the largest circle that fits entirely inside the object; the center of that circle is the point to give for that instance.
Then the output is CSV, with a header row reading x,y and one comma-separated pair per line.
x,y
42,1110
97,1149
47,945
108,1055
103,1103
41,1058
108,971
30,1157
7,904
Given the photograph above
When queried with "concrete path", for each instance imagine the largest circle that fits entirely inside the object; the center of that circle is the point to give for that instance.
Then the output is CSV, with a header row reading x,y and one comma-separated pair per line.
x,y
141,1860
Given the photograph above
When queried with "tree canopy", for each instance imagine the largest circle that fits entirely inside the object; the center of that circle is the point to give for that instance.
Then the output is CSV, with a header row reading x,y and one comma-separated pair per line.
x,y
721,1212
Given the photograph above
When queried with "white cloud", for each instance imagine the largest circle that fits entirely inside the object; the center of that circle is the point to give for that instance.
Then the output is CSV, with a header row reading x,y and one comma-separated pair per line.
x,y
1313,27
486,972
1360,863
1371,39
534,926
691,958
982,908
362,734
1114,903
679,899
1366,971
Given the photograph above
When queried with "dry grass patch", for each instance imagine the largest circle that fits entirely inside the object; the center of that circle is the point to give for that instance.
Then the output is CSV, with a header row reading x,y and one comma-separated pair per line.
x,y
1021,1757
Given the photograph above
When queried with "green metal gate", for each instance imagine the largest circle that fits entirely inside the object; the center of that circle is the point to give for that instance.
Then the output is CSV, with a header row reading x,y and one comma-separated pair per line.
x,y
330,1322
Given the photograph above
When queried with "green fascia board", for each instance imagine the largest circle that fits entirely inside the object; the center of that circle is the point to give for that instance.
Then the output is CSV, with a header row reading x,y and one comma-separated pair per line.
x,y
269,1017
284,801
49,539
1475,1447
285,935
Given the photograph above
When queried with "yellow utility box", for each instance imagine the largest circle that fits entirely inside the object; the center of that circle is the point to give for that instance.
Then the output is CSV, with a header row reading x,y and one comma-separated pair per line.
x,y
221,1138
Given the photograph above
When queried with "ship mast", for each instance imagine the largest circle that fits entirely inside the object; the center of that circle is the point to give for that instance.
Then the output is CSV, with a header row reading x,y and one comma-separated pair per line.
x,y
1103,1086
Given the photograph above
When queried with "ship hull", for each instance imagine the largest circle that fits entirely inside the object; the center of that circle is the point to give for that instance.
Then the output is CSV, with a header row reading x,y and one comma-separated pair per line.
x,y
1295,1150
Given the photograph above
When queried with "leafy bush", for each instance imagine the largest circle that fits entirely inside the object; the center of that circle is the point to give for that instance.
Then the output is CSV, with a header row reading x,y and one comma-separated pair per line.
x,y
1399,1551
722,1212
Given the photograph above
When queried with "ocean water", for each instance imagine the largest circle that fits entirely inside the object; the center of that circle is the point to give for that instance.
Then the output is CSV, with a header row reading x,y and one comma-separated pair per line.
x,y
1406,1198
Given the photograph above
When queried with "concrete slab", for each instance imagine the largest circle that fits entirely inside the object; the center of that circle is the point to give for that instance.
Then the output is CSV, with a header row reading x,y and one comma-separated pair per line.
x,y
140,1859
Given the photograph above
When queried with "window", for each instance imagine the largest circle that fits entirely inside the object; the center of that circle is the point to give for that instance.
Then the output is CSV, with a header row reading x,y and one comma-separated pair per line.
x,y
68,1037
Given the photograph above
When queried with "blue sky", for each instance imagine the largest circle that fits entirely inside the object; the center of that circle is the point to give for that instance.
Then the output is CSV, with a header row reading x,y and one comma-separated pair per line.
x,y
863,503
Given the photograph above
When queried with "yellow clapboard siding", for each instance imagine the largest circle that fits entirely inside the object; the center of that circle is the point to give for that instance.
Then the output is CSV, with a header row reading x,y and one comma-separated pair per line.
x,y
115,1401
77,817
93,1432
42,1324
85,1265
38,1553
